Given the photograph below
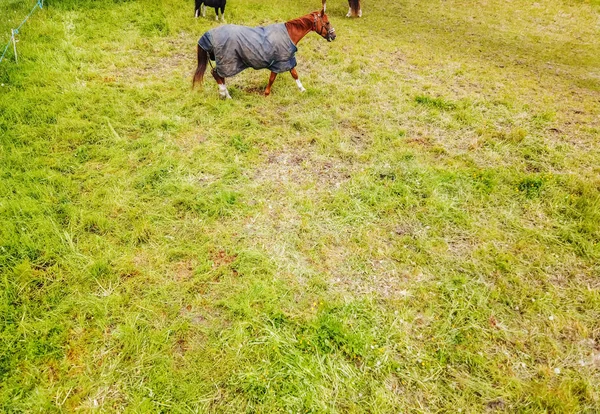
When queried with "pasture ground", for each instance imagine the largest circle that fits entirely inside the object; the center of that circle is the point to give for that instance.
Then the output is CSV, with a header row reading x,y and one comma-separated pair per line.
x,y
418,232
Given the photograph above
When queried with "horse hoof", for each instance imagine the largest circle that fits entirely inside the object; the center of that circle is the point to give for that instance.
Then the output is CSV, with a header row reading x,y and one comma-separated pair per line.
x,y
302,90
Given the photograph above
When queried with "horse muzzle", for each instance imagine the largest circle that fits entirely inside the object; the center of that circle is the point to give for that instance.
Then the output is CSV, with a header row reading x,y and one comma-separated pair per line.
x,y
331,35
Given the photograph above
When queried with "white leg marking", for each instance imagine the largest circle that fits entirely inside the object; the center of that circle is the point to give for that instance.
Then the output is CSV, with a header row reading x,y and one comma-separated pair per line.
x,y
197,12
300,85
203,8
349,12
359,12
223,92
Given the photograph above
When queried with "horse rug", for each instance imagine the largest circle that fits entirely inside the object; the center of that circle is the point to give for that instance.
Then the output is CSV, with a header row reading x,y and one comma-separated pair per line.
x,y
236,48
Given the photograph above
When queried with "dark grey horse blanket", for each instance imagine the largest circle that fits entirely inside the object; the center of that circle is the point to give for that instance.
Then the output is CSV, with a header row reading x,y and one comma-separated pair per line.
x,y
236,48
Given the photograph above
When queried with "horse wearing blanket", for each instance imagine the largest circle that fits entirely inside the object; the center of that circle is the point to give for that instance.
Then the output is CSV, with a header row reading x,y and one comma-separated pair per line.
x,y
273,47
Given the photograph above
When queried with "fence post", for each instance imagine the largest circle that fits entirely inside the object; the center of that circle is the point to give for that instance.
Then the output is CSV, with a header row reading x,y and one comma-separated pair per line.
x,y
14,41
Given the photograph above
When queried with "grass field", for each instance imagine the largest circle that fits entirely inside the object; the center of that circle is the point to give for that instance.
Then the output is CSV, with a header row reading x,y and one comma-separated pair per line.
x,y
418,232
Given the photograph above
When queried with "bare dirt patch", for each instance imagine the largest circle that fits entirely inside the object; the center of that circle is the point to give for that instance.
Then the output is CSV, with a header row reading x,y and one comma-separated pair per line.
x,y
302,167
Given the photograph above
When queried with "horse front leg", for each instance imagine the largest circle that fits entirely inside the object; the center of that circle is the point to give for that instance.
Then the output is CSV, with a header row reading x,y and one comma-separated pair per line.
x,y
271,80
223,92
223,12
295,76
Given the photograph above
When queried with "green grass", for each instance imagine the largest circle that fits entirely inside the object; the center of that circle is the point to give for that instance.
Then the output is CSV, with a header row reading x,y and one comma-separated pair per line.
x,y
418,232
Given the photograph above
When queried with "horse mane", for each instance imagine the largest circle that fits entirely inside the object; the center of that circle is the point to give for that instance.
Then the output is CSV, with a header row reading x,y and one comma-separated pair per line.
x,y
354,6
302,20
299,27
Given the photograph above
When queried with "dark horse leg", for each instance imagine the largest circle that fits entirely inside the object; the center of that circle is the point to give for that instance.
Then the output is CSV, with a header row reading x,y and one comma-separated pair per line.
x,y
295,76
197,8
271,80
223,92
222,7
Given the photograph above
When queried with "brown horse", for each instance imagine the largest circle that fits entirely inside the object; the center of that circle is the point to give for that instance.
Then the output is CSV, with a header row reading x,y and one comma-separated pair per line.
x,y
353,8
235,48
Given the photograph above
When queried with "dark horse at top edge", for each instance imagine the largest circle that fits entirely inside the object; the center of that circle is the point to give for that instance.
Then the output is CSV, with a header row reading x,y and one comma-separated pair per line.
x,y
200,7
235,48
353,8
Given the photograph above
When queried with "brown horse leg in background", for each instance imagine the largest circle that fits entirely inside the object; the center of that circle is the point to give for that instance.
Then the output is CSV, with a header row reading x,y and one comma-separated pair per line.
x,y
353,7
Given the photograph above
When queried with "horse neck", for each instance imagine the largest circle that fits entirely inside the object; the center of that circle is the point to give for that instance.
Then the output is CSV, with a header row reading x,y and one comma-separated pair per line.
x,y
298,28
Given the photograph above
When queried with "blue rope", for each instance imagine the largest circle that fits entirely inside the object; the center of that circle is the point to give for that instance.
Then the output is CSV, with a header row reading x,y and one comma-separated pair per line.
x,y
5,50
40,4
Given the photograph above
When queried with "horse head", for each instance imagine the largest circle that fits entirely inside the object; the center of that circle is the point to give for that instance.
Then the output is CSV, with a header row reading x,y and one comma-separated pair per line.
x,y
322,26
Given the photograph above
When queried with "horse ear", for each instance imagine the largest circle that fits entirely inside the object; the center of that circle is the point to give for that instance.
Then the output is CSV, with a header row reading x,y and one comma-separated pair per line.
x,y
322,12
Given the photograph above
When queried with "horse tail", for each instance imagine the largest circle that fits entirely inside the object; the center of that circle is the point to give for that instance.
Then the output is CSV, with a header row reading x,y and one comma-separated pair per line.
x,y
354,6
202,61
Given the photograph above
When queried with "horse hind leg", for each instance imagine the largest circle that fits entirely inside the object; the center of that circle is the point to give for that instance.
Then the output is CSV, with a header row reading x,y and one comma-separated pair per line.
x,y
271,80
223,92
